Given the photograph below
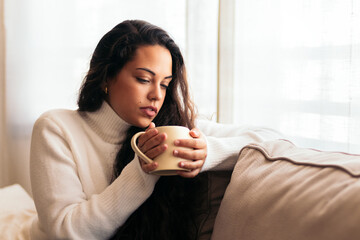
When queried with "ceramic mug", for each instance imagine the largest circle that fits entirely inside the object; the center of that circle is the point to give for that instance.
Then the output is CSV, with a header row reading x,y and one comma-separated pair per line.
x,y
168,164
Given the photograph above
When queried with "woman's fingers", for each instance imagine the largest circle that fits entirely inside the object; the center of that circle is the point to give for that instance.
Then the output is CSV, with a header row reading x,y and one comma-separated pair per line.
x,y
191,165
153,142
195,143
196,154
149,133
148,167
190,174
150,143
196,147
195,133
156,151
198,142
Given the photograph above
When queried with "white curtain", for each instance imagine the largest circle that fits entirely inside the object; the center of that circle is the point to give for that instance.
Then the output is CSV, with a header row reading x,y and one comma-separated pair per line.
x,y
49,45
202,53
297,69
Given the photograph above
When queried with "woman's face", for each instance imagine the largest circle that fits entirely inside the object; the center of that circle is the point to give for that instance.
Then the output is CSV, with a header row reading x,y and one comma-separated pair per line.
x,y
138,91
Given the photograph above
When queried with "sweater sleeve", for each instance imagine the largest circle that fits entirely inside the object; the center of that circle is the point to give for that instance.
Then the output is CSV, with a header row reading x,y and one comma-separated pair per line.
x,y
224,142
64,211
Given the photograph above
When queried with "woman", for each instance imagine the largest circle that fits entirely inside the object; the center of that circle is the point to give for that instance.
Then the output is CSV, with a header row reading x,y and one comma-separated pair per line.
x,y
86,181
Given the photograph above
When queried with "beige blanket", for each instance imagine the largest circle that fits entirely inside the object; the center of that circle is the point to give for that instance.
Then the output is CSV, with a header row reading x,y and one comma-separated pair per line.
x,y
17,211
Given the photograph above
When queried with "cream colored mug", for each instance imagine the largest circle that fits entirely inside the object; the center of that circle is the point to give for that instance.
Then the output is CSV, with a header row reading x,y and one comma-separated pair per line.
x,y
168,164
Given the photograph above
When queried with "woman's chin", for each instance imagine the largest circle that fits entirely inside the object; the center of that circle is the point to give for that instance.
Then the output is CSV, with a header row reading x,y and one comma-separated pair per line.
x,y
142,124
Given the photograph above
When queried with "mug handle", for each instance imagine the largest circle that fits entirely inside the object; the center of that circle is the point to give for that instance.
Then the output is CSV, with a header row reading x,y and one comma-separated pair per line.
x,y
137,150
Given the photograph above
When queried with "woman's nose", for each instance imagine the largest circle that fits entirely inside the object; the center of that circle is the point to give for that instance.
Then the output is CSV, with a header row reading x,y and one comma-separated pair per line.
x,y
155,93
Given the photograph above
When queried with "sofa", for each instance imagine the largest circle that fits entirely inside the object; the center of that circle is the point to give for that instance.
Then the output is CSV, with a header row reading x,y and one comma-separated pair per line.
x,y
278,191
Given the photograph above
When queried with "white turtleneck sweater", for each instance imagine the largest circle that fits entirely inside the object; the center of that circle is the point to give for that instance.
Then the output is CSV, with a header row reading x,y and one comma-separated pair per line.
x,y
71,166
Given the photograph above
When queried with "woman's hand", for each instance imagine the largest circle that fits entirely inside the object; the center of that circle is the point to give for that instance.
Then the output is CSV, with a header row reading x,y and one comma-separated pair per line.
x,y
197,153
150,143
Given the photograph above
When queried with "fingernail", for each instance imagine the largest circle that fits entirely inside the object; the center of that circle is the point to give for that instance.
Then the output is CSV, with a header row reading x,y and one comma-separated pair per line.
x,y
176,152
196,132
176,142
181,164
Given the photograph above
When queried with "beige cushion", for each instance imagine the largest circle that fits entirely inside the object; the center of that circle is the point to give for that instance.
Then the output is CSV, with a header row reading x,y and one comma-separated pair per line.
x,y
279,191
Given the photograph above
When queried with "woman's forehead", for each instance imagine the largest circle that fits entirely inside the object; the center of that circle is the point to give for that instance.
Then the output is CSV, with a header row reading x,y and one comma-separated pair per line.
x,y
154,58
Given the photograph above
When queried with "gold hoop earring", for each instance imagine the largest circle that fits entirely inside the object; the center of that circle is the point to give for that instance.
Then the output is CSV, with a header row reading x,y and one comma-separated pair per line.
x,y
106,90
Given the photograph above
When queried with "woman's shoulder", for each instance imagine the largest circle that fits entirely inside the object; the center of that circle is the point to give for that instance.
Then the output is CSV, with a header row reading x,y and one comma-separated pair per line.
x,y
58,117
59,114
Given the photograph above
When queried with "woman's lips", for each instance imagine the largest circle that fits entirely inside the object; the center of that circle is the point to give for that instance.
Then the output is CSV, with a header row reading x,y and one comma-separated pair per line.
x,y
149,111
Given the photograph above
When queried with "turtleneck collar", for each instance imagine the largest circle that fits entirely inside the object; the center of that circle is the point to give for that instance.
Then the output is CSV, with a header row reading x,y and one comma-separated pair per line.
x,y
107,124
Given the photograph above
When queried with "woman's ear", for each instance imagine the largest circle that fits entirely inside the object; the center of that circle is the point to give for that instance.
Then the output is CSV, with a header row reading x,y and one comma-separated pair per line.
x,y
105,86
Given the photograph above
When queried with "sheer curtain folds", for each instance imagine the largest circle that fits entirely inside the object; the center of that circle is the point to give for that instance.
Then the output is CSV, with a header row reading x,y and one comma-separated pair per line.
x,y
298,70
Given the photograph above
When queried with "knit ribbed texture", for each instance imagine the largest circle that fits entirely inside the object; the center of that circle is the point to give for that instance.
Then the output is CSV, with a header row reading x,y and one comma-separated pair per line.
x,y
115,205
72,157
224,142
107,124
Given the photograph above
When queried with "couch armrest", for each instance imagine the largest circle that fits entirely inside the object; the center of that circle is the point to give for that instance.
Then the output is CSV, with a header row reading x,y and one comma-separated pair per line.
x,y
280,191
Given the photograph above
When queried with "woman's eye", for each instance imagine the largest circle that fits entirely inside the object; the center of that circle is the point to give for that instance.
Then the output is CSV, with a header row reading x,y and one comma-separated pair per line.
x,y
142,80
164,86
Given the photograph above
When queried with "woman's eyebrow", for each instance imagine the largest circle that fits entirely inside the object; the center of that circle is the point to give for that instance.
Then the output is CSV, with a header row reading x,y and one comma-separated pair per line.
x,y
151,72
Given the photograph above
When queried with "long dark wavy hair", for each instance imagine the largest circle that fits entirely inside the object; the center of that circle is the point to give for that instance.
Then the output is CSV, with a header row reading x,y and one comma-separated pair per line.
x,y
170,212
